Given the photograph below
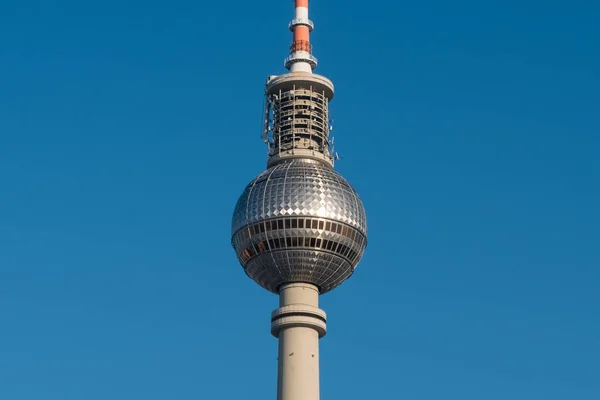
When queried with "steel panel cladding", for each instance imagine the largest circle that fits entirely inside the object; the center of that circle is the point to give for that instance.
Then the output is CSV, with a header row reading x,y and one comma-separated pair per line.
x,y
299,221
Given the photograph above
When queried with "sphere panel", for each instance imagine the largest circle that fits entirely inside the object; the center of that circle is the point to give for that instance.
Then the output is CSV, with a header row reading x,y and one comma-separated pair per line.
x,y
299,188
279,267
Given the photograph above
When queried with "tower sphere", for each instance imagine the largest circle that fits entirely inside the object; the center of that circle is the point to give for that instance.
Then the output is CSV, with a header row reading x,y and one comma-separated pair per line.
x,y
299,221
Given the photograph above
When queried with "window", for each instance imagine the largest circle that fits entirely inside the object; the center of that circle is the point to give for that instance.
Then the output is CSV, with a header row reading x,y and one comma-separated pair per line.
x,y
280,224
321,224
328,226
294,223
351,254
345,250
315,224
301,223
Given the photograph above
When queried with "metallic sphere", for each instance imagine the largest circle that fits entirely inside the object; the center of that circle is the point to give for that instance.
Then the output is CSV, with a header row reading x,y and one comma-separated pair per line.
x,y
299,221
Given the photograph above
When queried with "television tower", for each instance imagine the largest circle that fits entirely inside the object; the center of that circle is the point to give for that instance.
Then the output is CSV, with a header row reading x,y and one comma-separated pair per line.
x,y
299,229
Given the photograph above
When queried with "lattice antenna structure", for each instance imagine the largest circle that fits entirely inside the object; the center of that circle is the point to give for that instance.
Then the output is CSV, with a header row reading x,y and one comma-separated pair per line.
x,y
296,116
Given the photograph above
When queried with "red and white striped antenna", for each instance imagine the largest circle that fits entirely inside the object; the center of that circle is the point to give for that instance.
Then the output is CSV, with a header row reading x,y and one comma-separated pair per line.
x,y
301,58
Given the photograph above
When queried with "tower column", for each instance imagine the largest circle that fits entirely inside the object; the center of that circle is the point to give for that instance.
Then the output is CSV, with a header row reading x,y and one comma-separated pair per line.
x,y
299,323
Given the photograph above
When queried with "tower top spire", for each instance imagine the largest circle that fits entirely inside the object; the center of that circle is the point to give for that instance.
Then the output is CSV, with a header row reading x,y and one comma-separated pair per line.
x,y
296,120
301,58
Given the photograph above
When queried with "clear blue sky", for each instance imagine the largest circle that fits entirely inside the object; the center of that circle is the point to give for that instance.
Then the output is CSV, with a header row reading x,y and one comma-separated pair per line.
x,y
471,130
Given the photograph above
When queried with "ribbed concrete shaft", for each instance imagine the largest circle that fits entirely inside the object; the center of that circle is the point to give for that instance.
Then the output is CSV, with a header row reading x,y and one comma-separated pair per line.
x,y
298,323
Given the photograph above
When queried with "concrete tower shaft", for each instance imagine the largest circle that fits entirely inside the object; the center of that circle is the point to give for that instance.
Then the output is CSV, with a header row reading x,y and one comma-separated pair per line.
x,y
298,323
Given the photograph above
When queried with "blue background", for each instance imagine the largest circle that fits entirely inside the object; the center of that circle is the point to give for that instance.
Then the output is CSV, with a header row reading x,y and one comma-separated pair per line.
x,y
471,130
